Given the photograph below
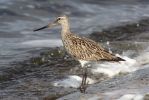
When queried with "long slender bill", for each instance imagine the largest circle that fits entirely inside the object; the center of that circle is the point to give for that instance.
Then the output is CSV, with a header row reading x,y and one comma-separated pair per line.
x,y
47,26
41,28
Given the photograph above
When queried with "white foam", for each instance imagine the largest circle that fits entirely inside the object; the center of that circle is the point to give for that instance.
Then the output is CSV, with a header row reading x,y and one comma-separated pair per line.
x,y
108,68
131,97
143,58
71,81
43,43
113,68
126,94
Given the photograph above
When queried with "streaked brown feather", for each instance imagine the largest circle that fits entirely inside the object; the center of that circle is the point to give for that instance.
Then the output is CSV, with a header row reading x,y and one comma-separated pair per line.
x,y
86,49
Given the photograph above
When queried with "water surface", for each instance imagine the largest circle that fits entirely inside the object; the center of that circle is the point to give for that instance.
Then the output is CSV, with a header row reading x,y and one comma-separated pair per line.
x,y
18,42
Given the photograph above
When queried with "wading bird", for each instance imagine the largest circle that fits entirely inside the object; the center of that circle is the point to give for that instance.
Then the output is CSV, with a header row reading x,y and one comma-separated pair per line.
x,y
82,49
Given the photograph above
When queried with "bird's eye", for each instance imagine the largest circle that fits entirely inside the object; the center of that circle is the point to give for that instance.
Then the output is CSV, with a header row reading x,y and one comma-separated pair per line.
x,y
58,18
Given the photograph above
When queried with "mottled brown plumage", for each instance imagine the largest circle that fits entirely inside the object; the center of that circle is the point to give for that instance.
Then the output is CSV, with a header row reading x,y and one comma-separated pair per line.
x,y
85,49
81,48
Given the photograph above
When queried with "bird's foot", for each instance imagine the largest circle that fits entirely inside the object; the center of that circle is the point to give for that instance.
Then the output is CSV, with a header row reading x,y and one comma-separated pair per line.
x,y
83,87
84,82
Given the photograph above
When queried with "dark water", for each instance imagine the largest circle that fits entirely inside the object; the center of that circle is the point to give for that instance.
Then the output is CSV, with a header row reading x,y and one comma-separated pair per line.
x,y
19,18
18,42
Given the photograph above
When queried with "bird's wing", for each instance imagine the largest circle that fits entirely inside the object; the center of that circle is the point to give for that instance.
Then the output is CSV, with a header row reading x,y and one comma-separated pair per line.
x,y
86,49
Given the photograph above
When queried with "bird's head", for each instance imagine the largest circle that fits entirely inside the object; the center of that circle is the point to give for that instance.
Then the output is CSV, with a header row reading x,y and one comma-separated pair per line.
x,y
62,20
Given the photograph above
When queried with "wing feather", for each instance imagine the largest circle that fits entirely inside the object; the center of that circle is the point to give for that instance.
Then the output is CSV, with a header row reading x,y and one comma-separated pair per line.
x,y
86,49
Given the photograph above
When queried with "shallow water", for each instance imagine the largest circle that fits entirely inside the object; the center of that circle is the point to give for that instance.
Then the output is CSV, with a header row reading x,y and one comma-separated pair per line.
x,y
19,43
19,18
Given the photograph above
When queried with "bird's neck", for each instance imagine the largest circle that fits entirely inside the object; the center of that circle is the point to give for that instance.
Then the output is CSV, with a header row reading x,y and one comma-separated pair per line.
x,y
65,29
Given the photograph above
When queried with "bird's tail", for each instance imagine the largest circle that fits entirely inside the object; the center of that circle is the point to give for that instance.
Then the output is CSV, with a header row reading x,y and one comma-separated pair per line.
x,y
118,59
111,57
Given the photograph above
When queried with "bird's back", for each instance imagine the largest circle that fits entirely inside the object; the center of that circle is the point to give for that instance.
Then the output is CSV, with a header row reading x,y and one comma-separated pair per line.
x,y
86,49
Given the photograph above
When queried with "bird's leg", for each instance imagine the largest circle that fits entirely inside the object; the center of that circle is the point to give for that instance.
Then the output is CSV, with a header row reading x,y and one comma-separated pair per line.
x,y
83,85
